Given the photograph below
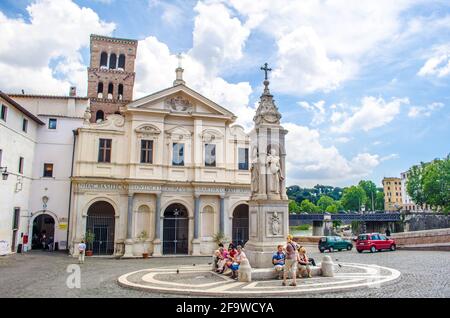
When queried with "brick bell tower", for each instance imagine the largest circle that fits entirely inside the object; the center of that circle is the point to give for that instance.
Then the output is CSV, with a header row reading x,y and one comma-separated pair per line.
x,y
110,75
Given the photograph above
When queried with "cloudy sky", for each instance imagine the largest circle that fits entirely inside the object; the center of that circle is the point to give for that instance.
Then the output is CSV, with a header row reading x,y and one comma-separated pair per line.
x,y
363,86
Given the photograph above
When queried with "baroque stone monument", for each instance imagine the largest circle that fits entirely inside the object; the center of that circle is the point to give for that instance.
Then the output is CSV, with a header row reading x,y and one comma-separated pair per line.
x,y
268,205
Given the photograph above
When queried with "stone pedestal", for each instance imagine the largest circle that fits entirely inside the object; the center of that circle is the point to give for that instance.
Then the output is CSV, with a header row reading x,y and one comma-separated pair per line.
x,y
157,247
196,247
327,267
128,249
245,272
264,235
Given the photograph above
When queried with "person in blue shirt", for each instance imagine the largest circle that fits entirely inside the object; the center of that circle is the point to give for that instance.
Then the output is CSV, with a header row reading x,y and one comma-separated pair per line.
x,y
278,259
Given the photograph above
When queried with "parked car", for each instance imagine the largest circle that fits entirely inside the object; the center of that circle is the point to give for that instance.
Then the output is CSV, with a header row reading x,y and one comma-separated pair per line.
x,y
332,243
374,242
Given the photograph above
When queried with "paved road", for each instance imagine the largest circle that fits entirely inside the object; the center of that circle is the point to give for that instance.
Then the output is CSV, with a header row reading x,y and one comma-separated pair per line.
x,y
41,274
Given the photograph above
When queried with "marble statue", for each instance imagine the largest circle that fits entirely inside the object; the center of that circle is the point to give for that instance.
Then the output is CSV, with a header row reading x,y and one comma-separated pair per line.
x,y
254,169
274,170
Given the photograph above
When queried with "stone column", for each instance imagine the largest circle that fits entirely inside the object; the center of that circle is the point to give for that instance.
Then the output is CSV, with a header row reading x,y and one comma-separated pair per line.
x,y
222,214
157,248
129,240
196,240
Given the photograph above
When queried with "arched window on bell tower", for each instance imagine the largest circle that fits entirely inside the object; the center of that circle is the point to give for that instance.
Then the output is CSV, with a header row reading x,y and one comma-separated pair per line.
x,y
110,90
120,92
99,116
104,60
121,62
113,61
100,90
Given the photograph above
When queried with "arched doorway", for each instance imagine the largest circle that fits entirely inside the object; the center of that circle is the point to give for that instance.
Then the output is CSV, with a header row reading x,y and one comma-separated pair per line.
x,y
43,231
240,225
175,229
101,221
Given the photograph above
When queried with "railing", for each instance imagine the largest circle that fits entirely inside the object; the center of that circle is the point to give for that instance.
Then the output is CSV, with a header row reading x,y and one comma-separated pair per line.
x,y
296,219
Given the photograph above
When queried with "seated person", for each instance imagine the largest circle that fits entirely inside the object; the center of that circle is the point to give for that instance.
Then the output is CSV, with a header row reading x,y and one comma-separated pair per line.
x,y
303,263
216,256
239,257
278,261
222,260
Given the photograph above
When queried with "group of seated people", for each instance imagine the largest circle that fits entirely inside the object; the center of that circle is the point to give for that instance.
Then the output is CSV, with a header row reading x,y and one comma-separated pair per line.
x,y
226,260
286,260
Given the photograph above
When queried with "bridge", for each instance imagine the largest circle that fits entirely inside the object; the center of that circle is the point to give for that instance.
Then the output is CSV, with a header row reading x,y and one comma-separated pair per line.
x,y
322,221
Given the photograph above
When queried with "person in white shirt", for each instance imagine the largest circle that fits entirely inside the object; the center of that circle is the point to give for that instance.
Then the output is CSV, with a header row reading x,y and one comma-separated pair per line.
x,y
81,251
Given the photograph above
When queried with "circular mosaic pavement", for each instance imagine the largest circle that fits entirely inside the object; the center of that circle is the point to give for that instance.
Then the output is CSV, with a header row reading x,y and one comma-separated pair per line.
x,y
201,281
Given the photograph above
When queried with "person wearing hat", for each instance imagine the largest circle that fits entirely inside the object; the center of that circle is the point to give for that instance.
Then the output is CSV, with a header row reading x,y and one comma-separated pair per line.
x,y
290,264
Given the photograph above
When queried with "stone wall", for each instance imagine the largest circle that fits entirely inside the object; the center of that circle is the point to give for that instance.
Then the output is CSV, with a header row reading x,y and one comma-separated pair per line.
x,y
428,238
426,221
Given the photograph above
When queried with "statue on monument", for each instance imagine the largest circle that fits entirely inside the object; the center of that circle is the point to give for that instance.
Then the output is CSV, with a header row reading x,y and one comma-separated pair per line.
x,y
255,171
275,173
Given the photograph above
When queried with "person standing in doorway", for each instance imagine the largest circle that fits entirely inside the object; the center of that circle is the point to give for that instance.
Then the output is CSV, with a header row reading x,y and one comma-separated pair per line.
x,y
81,252
290,264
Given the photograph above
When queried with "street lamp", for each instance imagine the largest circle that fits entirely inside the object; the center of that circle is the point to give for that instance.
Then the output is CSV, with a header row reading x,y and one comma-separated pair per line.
x,y
5,173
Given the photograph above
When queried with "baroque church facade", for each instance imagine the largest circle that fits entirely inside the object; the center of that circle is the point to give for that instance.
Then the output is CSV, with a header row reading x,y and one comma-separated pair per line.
x,y
164,174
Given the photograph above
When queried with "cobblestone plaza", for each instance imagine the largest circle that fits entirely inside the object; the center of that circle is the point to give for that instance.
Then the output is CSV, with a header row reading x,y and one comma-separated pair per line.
x,y
41,274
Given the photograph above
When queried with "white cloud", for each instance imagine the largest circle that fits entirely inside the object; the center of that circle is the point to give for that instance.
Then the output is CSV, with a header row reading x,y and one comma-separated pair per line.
x,y
304,66
314,163
323,43
218,38
424,111
172,14
373,113
438,64
317,109
54,36
390,157
155,70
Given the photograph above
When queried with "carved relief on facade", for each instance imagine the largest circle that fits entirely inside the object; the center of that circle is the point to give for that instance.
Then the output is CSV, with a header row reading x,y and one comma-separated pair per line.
x,y
210,135
179,104
147,130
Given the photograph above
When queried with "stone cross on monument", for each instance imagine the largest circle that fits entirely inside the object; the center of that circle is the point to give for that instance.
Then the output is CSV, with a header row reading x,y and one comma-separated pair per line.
x,y
268,205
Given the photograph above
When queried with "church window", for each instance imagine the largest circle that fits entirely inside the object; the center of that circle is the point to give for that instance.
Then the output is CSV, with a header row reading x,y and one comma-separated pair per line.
x,y
243,158
210,155
110,90
99,116
113,61
178,154
104,150
120,91
100,90
122,61
146,151
4,112
52,123
104,60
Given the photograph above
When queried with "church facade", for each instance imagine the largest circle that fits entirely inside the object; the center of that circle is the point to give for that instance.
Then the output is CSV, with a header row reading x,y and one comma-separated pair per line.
x,y
165,176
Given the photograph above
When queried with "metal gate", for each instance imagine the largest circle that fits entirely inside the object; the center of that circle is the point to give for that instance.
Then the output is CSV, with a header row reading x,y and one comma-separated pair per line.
x,y
175,230
240,225
103,229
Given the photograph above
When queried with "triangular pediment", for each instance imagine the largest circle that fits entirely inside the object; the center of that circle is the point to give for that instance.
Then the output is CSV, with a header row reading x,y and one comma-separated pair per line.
x,y
180,99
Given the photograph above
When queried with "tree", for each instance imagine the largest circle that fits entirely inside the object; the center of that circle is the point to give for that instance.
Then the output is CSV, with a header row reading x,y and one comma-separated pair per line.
x,y
414,185
332,208
353,198
324,202
379,201
308,206
293,207
436,184
371,191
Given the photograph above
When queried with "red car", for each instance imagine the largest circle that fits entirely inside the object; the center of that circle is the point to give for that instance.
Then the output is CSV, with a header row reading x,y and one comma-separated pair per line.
x,y
374,242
